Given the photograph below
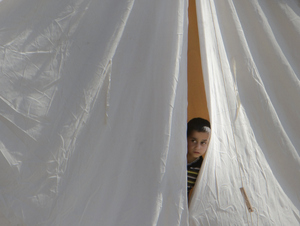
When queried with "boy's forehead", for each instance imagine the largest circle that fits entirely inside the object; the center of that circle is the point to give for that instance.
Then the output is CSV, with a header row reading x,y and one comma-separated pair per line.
x,y
196,133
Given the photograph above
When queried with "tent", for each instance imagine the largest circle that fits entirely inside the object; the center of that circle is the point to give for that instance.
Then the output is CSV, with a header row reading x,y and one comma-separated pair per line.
x,y
93,112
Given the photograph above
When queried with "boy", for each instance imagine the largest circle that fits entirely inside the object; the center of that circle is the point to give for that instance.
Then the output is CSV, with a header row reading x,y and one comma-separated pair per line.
x,y
198,134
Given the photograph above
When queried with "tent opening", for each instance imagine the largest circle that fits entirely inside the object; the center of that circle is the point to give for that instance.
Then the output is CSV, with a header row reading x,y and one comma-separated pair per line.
x,y
197,104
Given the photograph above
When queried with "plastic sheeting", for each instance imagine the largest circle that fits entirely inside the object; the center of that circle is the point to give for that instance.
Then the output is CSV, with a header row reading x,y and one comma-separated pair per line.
x,y
93,103
250,56
93,113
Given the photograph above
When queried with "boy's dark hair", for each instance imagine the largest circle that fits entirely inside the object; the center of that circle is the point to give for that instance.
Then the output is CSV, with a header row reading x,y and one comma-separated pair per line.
x,y
199,125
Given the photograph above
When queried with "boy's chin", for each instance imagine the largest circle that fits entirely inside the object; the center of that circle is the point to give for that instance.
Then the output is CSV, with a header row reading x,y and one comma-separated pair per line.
x,y
196,156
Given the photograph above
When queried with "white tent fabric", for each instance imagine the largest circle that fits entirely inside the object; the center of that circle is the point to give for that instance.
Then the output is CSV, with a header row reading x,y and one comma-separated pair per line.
x,y
93,113
93,103
250,52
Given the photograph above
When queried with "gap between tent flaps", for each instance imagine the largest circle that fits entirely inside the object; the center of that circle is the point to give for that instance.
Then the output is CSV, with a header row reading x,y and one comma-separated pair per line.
x,y
197,103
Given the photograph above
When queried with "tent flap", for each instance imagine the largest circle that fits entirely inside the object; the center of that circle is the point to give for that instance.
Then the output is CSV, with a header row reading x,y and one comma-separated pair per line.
x,y
91,112
251,82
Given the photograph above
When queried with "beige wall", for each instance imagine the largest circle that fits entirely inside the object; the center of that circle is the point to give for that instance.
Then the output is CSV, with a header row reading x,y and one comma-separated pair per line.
x,y
197,105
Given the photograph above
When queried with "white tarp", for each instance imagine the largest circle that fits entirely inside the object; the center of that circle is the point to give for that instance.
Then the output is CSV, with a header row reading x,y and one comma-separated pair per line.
x,y
93,103
93,113
250,52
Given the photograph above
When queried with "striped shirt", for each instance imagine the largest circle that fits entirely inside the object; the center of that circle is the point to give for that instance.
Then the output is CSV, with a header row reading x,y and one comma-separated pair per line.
x,y
193,169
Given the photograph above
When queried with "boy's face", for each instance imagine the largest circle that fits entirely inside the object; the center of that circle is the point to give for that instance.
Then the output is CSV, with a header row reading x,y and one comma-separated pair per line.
x,y
197,144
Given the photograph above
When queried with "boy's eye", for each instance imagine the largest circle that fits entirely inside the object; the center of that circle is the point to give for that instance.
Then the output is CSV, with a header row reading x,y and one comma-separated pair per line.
x,y
203,142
